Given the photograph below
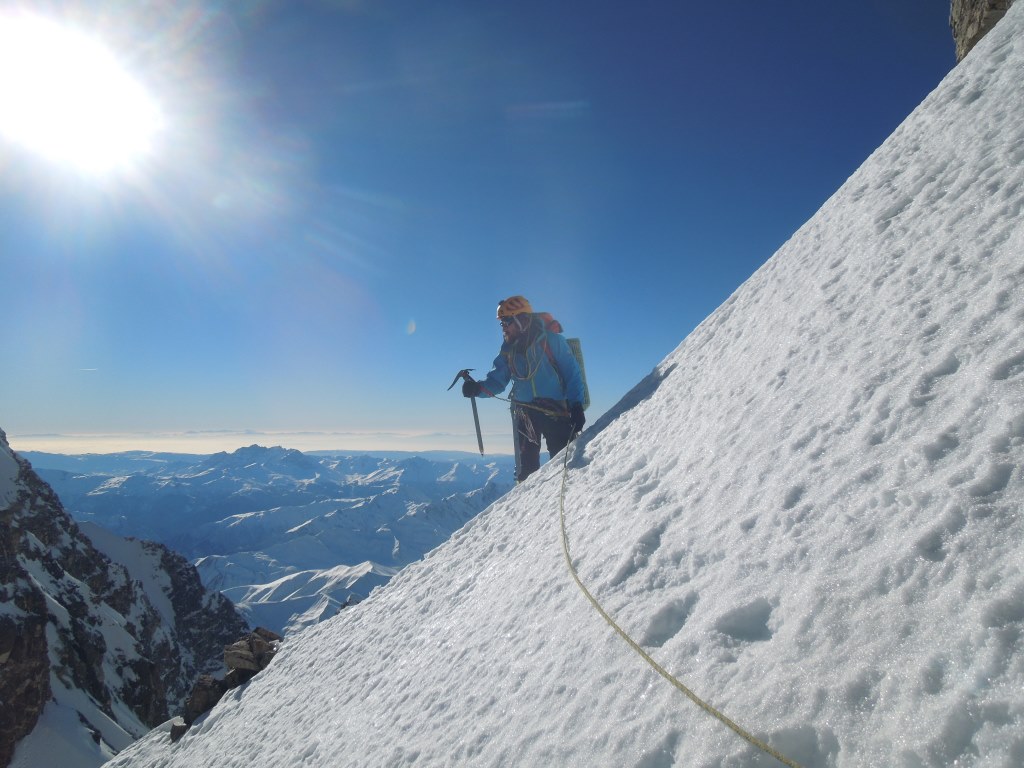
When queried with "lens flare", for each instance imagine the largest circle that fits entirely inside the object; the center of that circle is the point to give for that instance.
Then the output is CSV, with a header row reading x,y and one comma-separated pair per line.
x,y
66,97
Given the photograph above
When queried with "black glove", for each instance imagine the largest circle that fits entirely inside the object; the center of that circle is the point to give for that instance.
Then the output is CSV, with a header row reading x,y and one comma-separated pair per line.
x,y
576,418
470,388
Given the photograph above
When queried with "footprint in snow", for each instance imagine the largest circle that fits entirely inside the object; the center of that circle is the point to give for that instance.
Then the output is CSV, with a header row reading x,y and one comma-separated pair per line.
x,y
944,444
638,558
925,390
668,620
748,623
1008,368
662,755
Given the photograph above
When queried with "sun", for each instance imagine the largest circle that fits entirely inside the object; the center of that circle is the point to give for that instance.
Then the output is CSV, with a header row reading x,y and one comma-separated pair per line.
x,y
64,96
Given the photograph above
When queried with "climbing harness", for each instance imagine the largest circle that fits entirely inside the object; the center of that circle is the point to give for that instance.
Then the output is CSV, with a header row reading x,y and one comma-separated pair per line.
x,y
718,715
524,430
532,406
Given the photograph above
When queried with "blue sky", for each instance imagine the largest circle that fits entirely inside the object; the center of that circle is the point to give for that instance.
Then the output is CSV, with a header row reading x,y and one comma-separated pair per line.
x,y
340,193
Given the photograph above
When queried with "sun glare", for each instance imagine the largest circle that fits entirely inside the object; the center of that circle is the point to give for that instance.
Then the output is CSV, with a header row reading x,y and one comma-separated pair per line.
x,y
64,96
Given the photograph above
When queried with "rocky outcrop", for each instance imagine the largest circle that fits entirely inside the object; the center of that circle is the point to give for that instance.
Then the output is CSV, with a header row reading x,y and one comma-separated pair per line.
x,y
244,658
251,654
971,20
79,630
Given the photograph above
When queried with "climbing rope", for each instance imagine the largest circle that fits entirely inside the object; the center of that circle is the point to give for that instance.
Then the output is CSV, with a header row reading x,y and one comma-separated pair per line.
x,y
718,715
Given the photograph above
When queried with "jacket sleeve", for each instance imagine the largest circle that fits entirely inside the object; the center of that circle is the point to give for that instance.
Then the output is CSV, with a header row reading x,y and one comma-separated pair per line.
x,y
568,368
497,379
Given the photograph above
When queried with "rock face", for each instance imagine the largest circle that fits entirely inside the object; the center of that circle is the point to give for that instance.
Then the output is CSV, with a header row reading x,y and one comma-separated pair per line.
x,y
201,619
24,664
971,20
117,644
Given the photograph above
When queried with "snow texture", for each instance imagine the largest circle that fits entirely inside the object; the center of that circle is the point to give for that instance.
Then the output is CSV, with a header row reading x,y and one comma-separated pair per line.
x,y
810,512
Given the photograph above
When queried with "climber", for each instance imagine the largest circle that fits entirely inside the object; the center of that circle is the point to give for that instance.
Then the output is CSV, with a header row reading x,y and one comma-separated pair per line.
x,y
548,391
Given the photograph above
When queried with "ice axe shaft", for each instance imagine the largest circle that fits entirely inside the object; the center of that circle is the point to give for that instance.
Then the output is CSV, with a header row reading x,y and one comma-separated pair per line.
x,y
464,374
476,423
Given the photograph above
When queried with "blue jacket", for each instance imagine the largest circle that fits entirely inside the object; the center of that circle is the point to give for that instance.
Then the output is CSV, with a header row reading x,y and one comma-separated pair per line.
x,y
527,363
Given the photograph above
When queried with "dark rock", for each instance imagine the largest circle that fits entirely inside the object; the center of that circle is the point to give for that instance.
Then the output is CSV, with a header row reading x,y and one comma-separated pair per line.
x,y
24,677
205,695
178,728
971,20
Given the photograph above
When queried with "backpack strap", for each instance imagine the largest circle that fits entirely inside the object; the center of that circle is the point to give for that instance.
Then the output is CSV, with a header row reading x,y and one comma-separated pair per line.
x,y
551,357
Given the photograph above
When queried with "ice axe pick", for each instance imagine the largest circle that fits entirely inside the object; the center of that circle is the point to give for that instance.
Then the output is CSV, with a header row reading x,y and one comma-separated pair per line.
x,y
464,374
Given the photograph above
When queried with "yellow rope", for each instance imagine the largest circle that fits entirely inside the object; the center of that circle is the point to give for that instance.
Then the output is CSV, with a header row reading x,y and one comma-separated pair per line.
x,y
736,728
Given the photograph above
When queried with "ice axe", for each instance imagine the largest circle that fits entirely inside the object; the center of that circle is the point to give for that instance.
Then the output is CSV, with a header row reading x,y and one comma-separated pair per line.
x,y
464,374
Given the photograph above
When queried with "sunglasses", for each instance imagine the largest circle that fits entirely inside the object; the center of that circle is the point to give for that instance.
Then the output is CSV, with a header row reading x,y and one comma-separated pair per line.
x,y
507,321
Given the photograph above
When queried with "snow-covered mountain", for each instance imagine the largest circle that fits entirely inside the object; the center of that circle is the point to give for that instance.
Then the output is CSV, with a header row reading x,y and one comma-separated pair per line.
x,y
810,514
290,537
101,638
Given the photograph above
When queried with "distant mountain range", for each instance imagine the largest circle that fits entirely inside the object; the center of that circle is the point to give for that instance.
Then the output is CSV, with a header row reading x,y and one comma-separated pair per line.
x,y
289,537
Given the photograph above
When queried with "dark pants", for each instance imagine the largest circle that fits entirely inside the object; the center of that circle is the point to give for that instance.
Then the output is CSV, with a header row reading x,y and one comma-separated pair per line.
x,y
533,425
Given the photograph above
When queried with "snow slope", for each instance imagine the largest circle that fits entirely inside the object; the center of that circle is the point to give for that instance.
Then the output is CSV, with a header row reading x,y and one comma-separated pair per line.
x,y
810,512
